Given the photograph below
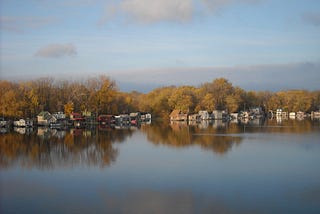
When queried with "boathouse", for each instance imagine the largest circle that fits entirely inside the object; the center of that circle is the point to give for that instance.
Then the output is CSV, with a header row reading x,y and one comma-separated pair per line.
x,y
177,115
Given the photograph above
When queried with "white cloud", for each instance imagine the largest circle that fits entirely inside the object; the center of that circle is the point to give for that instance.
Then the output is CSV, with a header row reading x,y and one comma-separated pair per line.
x,y
57,51
152,11
157,10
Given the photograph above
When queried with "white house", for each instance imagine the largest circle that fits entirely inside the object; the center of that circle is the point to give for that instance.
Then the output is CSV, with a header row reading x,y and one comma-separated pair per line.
x,y
45,118
204,115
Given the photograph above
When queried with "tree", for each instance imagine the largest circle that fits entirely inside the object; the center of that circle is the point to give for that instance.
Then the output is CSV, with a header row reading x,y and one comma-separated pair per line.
x,y
102,92
206,102
219,89
183,98
68,108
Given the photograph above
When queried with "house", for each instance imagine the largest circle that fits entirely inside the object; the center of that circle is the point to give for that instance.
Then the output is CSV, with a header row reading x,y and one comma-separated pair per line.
x,y
76,116
256,112
204,115
234,116
292,115
135,117
44,118
177,115
122,119
244,115
4,123
301,115
219,114
19,123
148,117
194,117
106,119
145,117
89,117
77,119
59,115
281,113
23,123
315,114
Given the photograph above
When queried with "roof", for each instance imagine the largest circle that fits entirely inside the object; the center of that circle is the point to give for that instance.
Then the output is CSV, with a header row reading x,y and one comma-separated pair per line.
x,y
175,113
43,113
134,114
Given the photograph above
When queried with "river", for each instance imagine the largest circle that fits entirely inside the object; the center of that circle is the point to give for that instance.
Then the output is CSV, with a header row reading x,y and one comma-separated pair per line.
x,y
213,167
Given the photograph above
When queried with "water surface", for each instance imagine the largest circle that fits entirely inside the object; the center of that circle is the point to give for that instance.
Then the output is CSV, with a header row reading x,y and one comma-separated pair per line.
x,y
260,167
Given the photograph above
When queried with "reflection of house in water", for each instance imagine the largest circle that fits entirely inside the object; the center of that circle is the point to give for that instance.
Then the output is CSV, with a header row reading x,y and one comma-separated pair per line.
x,y
204,124
219,124
256,122
4,130
87,133
23,130
76,132
60,134
42,131
178,123
192,122
46,132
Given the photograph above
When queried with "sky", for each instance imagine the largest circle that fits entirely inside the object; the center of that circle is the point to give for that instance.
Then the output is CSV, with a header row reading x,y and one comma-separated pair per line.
x,y
143,44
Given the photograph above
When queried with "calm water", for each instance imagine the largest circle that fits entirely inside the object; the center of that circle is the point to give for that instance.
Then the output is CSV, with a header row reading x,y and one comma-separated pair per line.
x,y
266,167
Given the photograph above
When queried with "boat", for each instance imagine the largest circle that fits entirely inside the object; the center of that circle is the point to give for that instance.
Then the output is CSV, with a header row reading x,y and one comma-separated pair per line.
x,y
3,122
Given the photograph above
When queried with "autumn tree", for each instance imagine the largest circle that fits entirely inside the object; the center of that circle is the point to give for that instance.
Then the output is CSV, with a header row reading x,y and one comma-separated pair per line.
x,y
101,95
183,98
218,89
157,101
68,108
101,92
206,102
10,100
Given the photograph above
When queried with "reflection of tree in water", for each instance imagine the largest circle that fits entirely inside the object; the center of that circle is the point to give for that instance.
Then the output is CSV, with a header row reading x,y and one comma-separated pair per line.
x,y
282,125
50,148
213,137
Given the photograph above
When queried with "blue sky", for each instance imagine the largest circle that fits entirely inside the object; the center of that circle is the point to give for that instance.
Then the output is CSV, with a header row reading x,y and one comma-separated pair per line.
x,y
143,44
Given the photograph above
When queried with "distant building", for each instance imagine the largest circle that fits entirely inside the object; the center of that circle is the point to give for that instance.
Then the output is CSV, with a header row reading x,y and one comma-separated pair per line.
x,y
204,115
106,119
76,116
44,118
256,111
59,115
292,115
194,117
135,118
145,117
315,114
23,123
217,114
177,115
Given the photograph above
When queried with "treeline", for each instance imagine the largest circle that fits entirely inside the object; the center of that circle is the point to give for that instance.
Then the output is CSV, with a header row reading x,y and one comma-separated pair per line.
x,y
102,96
